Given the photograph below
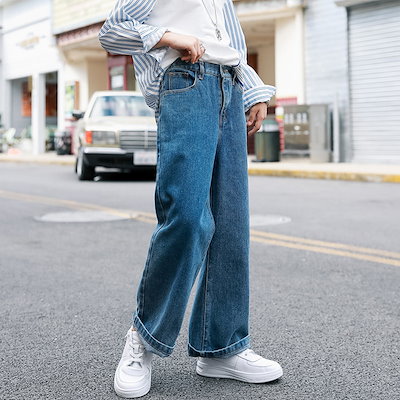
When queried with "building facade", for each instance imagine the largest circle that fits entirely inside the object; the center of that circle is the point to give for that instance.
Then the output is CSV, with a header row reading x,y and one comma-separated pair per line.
x,y
374,79
75,27
326,67
87,67
1,70
30,65
353,64
343,53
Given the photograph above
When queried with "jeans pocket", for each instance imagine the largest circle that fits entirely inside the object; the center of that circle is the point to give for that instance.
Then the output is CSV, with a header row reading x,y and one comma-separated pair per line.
x,y
238,85
179,80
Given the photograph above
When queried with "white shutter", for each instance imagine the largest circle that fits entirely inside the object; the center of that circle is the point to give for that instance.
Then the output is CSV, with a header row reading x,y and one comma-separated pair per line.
x,y
374,54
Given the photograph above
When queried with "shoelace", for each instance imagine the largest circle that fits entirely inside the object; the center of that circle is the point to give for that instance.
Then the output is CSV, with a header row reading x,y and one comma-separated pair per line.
x,y
136,352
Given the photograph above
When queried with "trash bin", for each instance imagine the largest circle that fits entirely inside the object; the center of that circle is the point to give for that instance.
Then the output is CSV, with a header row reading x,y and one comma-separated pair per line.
x,y
267,143
62,142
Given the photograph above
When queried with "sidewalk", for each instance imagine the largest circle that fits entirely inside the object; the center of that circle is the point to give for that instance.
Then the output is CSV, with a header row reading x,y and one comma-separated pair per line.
x,y
300,168
297,168
46,158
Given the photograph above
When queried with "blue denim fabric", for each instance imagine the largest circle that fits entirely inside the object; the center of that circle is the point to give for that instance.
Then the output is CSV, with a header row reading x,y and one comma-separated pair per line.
x,y
201,201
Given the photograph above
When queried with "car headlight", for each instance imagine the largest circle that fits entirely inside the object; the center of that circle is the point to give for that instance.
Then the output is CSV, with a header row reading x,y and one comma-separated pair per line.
x,y
104,137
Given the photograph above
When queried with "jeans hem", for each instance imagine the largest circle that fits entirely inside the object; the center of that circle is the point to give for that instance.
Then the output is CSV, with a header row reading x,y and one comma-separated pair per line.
x,y
226,352
150,342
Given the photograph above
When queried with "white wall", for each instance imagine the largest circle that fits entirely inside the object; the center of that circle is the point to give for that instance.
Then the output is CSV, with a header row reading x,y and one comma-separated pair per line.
x,y
29,49
266,64
77,71
2,89
289,57
29,46
22,13
97,75
327,62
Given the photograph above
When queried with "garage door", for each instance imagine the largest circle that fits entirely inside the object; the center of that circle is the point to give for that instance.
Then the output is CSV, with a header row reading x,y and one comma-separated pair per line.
x,y
374,54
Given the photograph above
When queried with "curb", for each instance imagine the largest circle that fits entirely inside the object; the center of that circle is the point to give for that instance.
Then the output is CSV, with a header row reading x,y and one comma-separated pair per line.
x,y
331,175
38,161
292,173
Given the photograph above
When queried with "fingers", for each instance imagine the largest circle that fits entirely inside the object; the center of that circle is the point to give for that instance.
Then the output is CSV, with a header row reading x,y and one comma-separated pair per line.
x,y
255,128
255,119
263,113
198,51
193,52
203,49
189,55
252,116
186,56
190,47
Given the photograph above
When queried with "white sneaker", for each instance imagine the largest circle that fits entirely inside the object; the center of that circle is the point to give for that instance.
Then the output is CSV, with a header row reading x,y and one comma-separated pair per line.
x,y
246,366
133,375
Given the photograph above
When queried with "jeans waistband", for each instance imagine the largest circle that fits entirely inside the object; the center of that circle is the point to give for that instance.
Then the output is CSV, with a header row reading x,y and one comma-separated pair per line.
x,y
204,67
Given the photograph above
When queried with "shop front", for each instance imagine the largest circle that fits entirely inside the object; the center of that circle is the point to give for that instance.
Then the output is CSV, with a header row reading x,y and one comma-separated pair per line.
x,y
374,70
274,34
275,39
31,64
87,67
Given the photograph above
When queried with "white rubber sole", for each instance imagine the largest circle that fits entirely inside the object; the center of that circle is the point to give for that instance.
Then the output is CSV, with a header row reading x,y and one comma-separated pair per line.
x,y
132,393
203,369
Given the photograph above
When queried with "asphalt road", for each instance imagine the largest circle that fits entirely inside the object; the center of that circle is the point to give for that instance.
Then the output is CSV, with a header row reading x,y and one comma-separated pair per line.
x,y
324,300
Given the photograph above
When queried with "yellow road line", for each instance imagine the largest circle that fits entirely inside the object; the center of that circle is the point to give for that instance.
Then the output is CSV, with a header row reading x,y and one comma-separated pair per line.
x,y
65,203
146,219
316,249
276,239
367,250
334,175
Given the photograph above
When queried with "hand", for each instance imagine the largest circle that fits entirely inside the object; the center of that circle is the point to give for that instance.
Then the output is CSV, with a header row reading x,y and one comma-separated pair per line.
x,y
255,117
189,46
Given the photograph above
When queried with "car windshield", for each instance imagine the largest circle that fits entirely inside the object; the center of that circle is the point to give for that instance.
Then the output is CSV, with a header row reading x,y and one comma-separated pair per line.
x,y
120,106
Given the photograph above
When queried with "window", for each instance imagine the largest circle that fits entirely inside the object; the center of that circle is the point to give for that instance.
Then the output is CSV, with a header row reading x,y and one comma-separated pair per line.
x,y
120,106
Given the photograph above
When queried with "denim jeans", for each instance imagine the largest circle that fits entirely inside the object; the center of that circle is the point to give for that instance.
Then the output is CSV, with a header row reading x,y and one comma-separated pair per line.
x,y
201,200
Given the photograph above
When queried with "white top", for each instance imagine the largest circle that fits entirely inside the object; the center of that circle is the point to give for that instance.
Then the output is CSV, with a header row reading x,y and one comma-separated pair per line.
x,y
126,31
190,17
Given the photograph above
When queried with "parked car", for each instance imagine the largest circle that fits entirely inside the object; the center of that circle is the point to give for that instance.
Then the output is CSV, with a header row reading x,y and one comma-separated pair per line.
x,y
118,130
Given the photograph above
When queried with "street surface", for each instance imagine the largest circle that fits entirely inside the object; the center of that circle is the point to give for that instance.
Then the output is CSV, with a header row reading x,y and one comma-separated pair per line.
x,y
324,287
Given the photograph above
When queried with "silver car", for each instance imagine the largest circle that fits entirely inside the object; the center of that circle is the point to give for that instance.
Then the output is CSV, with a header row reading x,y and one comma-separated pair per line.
x,y
118,130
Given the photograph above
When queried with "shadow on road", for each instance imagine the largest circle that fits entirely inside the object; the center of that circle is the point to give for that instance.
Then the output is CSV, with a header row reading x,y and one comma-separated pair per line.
x,y
141,176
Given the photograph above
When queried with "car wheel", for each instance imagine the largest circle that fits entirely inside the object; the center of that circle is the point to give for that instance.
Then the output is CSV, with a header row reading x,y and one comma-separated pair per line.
x,y
84,171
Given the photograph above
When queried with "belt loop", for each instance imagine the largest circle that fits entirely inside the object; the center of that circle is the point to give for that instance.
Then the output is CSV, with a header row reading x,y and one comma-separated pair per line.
x,y
201,71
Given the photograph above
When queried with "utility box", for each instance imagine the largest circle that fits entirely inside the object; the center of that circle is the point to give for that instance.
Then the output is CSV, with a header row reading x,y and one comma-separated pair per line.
x,y
307,132
296,129
320,133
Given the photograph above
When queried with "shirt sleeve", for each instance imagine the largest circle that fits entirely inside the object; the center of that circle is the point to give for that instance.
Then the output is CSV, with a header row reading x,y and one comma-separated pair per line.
x,y
255,91
125,31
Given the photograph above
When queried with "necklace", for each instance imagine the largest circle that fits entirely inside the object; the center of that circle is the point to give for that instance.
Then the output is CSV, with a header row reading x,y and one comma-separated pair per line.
x,y
217,31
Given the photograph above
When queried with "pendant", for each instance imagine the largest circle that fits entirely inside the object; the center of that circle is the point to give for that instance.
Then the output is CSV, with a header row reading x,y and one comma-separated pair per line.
x,y
218,33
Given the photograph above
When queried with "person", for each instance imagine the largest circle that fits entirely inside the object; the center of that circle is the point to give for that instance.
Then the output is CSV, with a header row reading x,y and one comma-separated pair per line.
x,y
190,63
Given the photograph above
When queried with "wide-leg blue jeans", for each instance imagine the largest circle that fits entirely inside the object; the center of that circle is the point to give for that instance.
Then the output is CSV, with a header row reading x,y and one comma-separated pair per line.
x,y
201,201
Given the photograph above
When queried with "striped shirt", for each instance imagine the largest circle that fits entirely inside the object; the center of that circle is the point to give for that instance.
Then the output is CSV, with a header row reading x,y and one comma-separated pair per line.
x,y
125,32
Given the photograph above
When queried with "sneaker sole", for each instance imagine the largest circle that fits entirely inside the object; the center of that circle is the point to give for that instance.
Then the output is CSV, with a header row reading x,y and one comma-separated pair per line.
x,y
131,394
211,372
